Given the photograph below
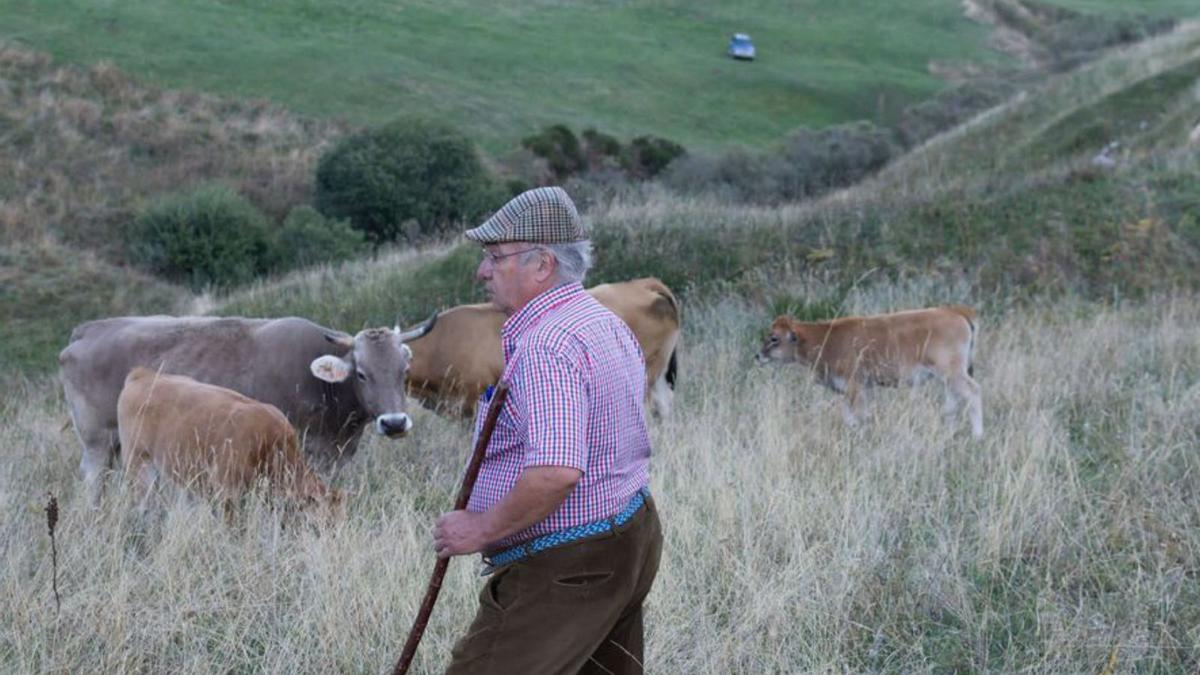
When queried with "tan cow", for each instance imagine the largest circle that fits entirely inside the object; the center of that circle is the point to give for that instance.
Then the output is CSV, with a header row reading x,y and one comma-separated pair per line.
x,y
211,441
854,353
460,355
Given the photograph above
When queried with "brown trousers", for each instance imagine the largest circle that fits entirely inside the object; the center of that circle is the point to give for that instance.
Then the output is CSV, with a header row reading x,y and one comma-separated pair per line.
x,y
576,608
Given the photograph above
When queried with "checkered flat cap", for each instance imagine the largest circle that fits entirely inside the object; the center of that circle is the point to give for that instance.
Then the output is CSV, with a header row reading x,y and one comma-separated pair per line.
x,y
544,215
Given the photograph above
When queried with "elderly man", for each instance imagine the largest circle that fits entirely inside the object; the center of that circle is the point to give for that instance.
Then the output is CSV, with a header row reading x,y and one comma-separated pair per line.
x,y
561,510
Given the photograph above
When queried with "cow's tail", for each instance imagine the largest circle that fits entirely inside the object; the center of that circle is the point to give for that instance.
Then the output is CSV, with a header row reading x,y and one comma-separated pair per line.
x,y
672,366
668,306
665,307
972,320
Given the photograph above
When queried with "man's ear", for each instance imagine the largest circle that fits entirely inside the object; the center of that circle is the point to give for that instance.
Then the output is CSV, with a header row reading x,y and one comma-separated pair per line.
x,y
547,265
330,368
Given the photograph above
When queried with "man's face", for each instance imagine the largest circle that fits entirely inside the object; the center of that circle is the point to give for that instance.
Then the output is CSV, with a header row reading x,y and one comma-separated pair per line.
x,y
510,280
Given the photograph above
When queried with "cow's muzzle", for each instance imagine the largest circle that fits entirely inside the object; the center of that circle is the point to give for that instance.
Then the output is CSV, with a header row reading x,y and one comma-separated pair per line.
x,y
393,425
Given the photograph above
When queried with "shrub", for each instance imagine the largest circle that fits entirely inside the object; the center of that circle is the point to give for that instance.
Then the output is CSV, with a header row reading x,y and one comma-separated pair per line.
x,y
209,237
601,144
833,157
806,164
403,180
565,156
521,168
953,106
308,238
647,156
559,147
738,175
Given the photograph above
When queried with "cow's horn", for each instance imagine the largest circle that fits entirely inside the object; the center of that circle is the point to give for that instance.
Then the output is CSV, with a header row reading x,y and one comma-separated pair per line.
x,y
420,330
340,339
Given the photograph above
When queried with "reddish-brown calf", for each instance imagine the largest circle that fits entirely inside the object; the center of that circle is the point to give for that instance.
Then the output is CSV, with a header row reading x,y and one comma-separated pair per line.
x,y
854,353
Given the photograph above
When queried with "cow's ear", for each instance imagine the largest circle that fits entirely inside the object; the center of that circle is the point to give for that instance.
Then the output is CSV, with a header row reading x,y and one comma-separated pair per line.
x,y
407,351
330,368
340,339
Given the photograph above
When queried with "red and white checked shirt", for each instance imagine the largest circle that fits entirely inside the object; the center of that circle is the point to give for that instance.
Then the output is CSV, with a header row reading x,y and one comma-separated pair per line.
x,y
576,379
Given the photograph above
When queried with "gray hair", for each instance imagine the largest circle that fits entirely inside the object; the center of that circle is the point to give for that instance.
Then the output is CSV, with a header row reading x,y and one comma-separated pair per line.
x,y
574,259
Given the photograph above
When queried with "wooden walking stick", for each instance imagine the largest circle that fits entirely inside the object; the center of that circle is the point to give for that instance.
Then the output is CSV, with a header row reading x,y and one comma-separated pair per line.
x,y
464,494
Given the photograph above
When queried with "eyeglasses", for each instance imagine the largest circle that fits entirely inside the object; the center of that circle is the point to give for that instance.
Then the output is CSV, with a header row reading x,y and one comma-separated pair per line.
x,y
495,258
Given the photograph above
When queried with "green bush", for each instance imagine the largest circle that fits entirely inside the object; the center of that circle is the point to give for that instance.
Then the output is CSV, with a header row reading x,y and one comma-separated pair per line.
x,y
601,144
308,238
209,237
404,180
647,156
595,152
559,147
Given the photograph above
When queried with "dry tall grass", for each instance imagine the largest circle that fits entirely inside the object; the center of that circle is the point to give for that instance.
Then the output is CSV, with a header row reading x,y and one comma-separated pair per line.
x,y
1068,537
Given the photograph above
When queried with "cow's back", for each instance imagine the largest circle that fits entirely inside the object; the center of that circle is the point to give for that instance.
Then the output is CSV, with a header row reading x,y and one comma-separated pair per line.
x,y
102,353
886,347
459,357
266,359
652,312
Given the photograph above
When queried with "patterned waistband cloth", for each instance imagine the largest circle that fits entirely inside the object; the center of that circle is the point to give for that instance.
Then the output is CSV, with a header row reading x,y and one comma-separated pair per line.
x,y
526,549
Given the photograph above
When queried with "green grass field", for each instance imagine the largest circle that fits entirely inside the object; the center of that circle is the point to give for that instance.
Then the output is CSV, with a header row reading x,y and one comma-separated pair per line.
x,y
504,69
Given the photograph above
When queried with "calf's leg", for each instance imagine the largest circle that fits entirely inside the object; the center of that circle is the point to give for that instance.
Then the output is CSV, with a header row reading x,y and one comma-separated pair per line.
x,y
967,389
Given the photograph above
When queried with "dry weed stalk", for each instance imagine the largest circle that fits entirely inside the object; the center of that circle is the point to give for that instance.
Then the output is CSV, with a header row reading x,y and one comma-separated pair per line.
x,y
51,522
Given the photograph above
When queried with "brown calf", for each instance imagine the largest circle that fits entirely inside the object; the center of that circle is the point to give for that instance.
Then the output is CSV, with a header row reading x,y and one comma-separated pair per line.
x,y
210,440
854,353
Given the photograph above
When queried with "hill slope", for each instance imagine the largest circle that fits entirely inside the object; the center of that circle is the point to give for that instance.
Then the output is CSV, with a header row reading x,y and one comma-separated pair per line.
x,y
501,70
1002,204
1008,203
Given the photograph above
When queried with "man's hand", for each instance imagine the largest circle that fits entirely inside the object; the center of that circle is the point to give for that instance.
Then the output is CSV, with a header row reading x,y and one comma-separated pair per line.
x,y
538,492
459,533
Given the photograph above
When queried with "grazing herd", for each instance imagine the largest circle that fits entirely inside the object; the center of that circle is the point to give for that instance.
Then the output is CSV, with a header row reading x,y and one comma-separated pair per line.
x,y
218,405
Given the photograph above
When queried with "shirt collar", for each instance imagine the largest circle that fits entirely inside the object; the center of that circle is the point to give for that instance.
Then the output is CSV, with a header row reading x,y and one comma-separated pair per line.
x,y
517,324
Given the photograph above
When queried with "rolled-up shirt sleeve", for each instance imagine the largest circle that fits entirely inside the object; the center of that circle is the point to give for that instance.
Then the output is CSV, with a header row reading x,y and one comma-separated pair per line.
x,y
556,410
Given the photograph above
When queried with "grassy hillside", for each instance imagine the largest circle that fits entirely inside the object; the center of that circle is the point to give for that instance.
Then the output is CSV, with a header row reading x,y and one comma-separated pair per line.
x,y
1009,203
46,290
995,204
81,150
502,70
1143,97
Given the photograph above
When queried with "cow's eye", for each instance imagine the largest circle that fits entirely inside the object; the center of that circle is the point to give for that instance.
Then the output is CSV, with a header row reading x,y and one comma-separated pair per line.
x,y
361,375
773,339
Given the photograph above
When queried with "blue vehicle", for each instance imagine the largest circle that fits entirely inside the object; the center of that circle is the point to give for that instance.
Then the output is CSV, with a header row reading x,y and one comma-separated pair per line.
x,y
740,47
